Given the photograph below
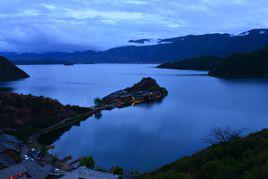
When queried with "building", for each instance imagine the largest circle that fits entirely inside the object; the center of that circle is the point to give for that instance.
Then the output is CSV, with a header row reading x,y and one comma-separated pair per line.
x,y
9,143
114,95
10,147
15,171
85,173
27,169
6,161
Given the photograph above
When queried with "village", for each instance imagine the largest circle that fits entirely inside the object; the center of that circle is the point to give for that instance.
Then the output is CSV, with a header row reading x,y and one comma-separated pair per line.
x,y
19,161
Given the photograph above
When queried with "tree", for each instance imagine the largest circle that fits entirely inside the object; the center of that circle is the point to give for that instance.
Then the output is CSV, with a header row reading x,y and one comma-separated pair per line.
x,y
43,149
98,101
117,170
54,159
88,162
222,135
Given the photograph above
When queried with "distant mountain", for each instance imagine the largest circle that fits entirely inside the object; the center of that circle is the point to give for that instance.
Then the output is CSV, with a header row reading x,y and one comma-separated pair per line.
x,y
140,41
161,50
197,63
9,71
253,64
50,57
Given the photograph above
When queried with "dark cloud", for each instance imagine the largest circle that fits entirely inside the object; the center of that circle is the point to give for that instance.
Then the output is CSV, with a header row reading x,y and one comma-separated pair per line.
x,y
69,25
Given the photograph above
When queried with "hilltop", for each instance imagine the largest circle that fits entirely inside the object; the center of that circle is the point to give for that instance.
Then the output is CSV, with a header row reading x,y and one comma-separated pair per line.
x,y
9,71
254,64
27,113
197,63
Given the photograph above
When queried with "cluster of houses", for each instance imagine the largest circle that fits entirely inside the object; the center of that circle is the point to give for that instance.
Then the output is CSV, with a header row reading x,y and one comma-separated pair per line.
x,y
123,98
10,148
14,163
18,161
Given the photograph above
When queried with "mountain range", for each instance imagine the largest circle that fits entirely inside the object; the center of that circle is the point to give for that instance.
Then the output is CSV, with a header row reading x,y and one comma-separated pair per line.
x,y
155,51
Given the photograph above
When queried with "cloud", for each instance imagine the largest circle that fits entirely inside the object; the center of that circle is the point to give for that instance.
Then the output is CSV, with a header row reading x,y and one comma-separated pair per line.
x,y
70,25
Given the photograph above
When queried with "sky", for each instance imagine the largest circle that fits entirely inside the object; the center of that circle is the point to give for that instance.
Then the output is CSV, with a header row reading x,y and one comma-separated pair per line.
x,y
77,25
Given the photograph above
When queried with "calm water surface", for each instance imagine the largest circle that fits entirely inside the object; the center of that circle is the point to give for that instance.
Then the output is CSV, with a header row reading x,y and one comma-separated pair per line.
x,y
145,137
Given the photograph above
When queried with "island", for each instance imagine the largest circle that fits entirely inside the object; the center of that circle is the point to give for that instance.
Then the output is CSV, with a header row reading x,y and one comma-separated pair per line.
x,y
197,63
254,64
9,71
147,90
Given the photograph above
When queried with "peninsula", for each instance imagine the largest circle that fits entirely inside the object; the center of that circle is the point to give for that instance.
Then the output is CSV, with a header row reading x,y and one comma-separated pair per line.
x,y
146,90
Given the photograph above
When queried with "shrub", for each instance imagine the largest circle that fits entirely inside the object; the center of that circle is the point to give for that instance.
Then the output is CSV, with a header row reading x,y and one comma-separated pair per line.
x,y
97,101
88,162
117,170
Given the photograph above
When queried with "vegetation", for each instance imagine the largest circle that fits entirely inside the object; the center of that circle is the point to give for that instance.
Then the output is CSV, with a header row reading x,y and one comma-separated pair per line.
x,y
97,101
43,149
9,71
117,170
27,114
146,84
253,64
197,63
88,162
222,135
54,159
239,157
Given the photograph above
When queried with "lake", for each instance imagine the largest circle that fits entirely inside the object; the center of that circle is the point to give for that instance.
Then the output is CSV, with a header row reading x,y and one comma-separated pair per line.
x,y
145,137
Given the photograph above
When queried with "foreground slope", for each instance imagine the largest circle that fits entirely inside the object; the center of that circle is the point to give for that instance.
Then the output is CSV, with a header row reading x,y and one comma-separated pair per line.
x,y
27,113
9,71
245,157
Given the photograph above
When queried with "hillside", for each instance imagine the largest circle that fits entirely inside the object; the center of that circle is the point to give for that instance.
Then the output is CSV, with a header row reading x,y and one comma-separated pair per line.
x,y
27,113
163,50
253,64
242,157
9,71
197,63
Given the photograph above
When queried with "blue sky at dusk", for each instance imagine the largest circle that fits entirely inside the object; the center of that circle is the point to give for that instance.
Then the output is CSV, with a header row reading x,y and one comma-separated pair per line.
x,y
72,25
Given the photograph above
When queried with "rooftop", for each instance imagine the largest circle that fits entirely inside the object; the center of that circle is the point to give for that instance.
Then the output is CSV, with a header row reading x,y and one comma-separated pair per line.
x,y
5,161
85,173
13,170
30,167
6,138
8,142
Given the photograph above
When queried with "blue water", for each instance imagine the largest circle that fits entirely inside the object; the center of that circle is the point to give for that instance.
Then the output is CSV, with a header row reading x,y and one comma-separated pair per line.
x,y
145,137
